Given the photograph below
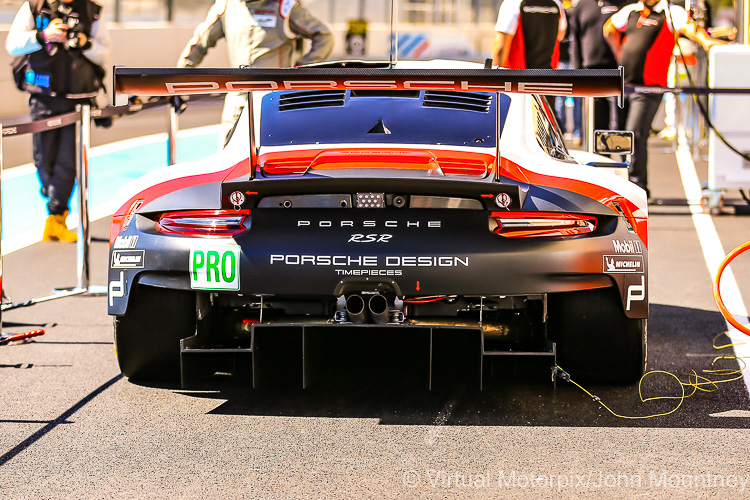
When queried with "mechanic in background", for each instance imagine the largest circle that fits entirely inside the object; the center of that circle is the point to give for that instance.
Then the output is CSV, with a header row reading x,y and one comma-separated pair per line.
x,y
528,34
60,48
260,33
642,38
589,50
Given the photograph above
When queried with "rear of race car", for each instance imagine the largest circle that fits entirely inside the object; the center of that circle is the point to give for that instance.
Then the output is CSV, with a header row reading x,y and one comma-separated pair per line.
x,y
384,215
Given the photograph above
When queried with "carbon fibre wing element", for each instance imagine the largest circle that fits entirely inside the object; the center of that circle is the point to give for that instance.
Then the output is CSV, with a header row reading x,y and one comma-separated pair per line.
x,y
179,81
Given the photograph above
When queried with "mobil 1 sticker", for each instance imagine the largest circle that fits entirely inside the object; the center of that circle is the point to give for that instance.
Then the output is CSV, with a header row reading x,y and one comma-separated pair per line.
x,y
215,267
623,264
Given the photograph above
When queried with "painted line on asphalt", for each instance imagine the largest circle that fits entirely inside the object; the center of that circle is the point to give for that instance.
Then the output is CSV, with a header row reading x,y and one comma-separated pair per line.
x,y
713,252
732,414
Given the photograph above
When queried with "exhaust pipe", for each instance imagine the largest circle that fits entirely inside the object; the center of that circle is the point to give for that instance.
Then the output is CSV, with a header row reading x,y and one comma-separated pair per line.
x,y
491,330
378,307
355,308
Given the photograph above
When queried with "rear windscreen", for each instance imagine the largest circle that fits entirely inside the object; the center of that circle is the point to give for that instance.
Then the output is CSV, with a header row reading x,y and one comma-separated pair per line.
x,y
389,117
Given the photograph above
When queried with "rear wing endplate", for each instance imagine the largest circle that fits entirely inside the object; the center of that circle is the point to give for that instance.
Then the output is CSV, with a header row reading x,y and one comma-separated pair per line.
x,y
181,81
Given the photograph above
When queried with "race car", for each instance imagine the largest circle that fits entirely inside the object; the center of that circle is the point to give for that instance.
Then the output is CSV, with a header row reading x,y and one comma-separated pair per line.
x,y
428,204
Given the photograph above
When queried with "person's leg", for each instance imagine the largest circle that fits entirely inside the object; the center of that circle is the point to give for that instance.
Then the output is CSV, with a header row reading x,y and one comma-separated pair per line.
x,y
60,186
617,115
54,155
61,182
669,132
62,174
601,114
44,144
641,111
577,118
560,113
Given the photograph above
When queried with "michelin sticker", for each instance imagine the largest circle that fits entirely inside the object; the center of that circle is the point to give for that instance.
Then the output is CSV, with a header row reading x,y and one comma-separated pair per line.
x,y
128,258
623,264
215,267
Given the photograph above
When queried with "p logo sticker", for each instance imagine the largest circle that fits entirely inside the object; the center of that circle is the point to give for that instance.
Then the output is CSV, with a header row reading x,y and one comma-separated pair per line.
x,y
215,268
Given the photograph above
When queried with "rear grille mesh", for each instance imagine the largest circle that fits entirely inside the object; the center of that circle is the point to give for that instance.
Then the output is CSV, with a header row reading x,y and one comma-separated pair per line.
x,y
542,134
467,101
311,99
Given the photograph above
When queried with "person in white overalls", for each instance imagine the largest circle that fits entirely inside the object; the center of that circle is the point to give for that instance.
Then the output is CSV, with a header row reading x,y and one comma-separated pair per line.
x,y
260,33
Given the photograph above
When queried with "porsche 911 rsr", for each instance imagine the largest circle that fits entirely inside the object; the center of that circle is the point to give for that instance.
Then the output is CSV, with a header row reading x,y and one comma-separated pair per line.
x,y
440,207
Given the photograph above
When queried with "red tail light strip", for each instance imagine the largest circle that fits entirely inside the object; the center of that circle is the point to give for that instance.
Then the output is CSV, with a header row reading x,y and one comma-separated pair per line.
x,y
205,223
602,194
542,224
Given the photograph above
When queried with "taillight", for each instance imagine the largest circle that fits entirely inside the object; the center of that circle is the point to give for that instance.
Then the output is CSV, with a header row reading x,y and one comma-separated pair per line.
x,y
203,222
542,224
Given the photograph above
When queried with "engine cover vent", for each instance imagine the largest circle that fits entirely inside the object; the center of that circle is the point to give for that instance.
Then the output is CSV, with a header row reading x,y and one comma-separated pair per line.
x,y
468,101
311,99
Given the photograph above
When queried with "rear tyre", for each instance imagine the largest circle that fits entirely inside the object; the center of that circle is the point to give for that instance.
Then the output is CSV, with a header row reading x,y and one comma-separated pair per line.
x,y
595,340
147,338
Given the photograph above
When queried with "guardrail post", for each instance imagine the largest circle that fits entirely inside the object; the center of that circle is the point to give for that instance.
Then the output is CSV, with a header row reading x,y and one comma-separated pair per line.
x,y
83,143
84,230
174,127
82,176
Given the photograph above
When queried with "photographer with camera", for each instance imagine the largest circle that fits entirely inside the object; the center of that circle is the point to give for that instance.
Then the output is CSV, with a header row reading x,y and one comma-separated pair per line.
x,y
60,48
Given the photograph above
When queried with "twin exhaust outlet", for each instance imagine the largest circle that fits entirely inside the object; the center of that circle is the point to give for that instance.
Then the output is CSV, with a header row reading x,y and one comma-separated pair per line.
x,y
369,309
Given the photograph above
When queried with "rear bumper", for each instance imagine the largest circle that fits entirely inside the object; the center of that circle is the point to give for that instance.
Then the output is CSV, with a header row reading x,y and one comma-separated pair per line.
x,y
324,253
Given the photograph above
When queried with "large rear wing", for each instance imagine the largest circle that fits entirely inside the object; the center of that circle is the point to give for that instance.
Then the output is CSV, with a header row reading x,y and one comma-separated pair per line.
x,y
181,81
185,81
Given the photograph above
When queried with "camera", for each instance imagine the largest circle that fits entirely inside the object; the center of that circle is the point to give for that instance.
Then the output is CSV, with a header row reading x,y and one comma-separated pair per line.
x,y
73,23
